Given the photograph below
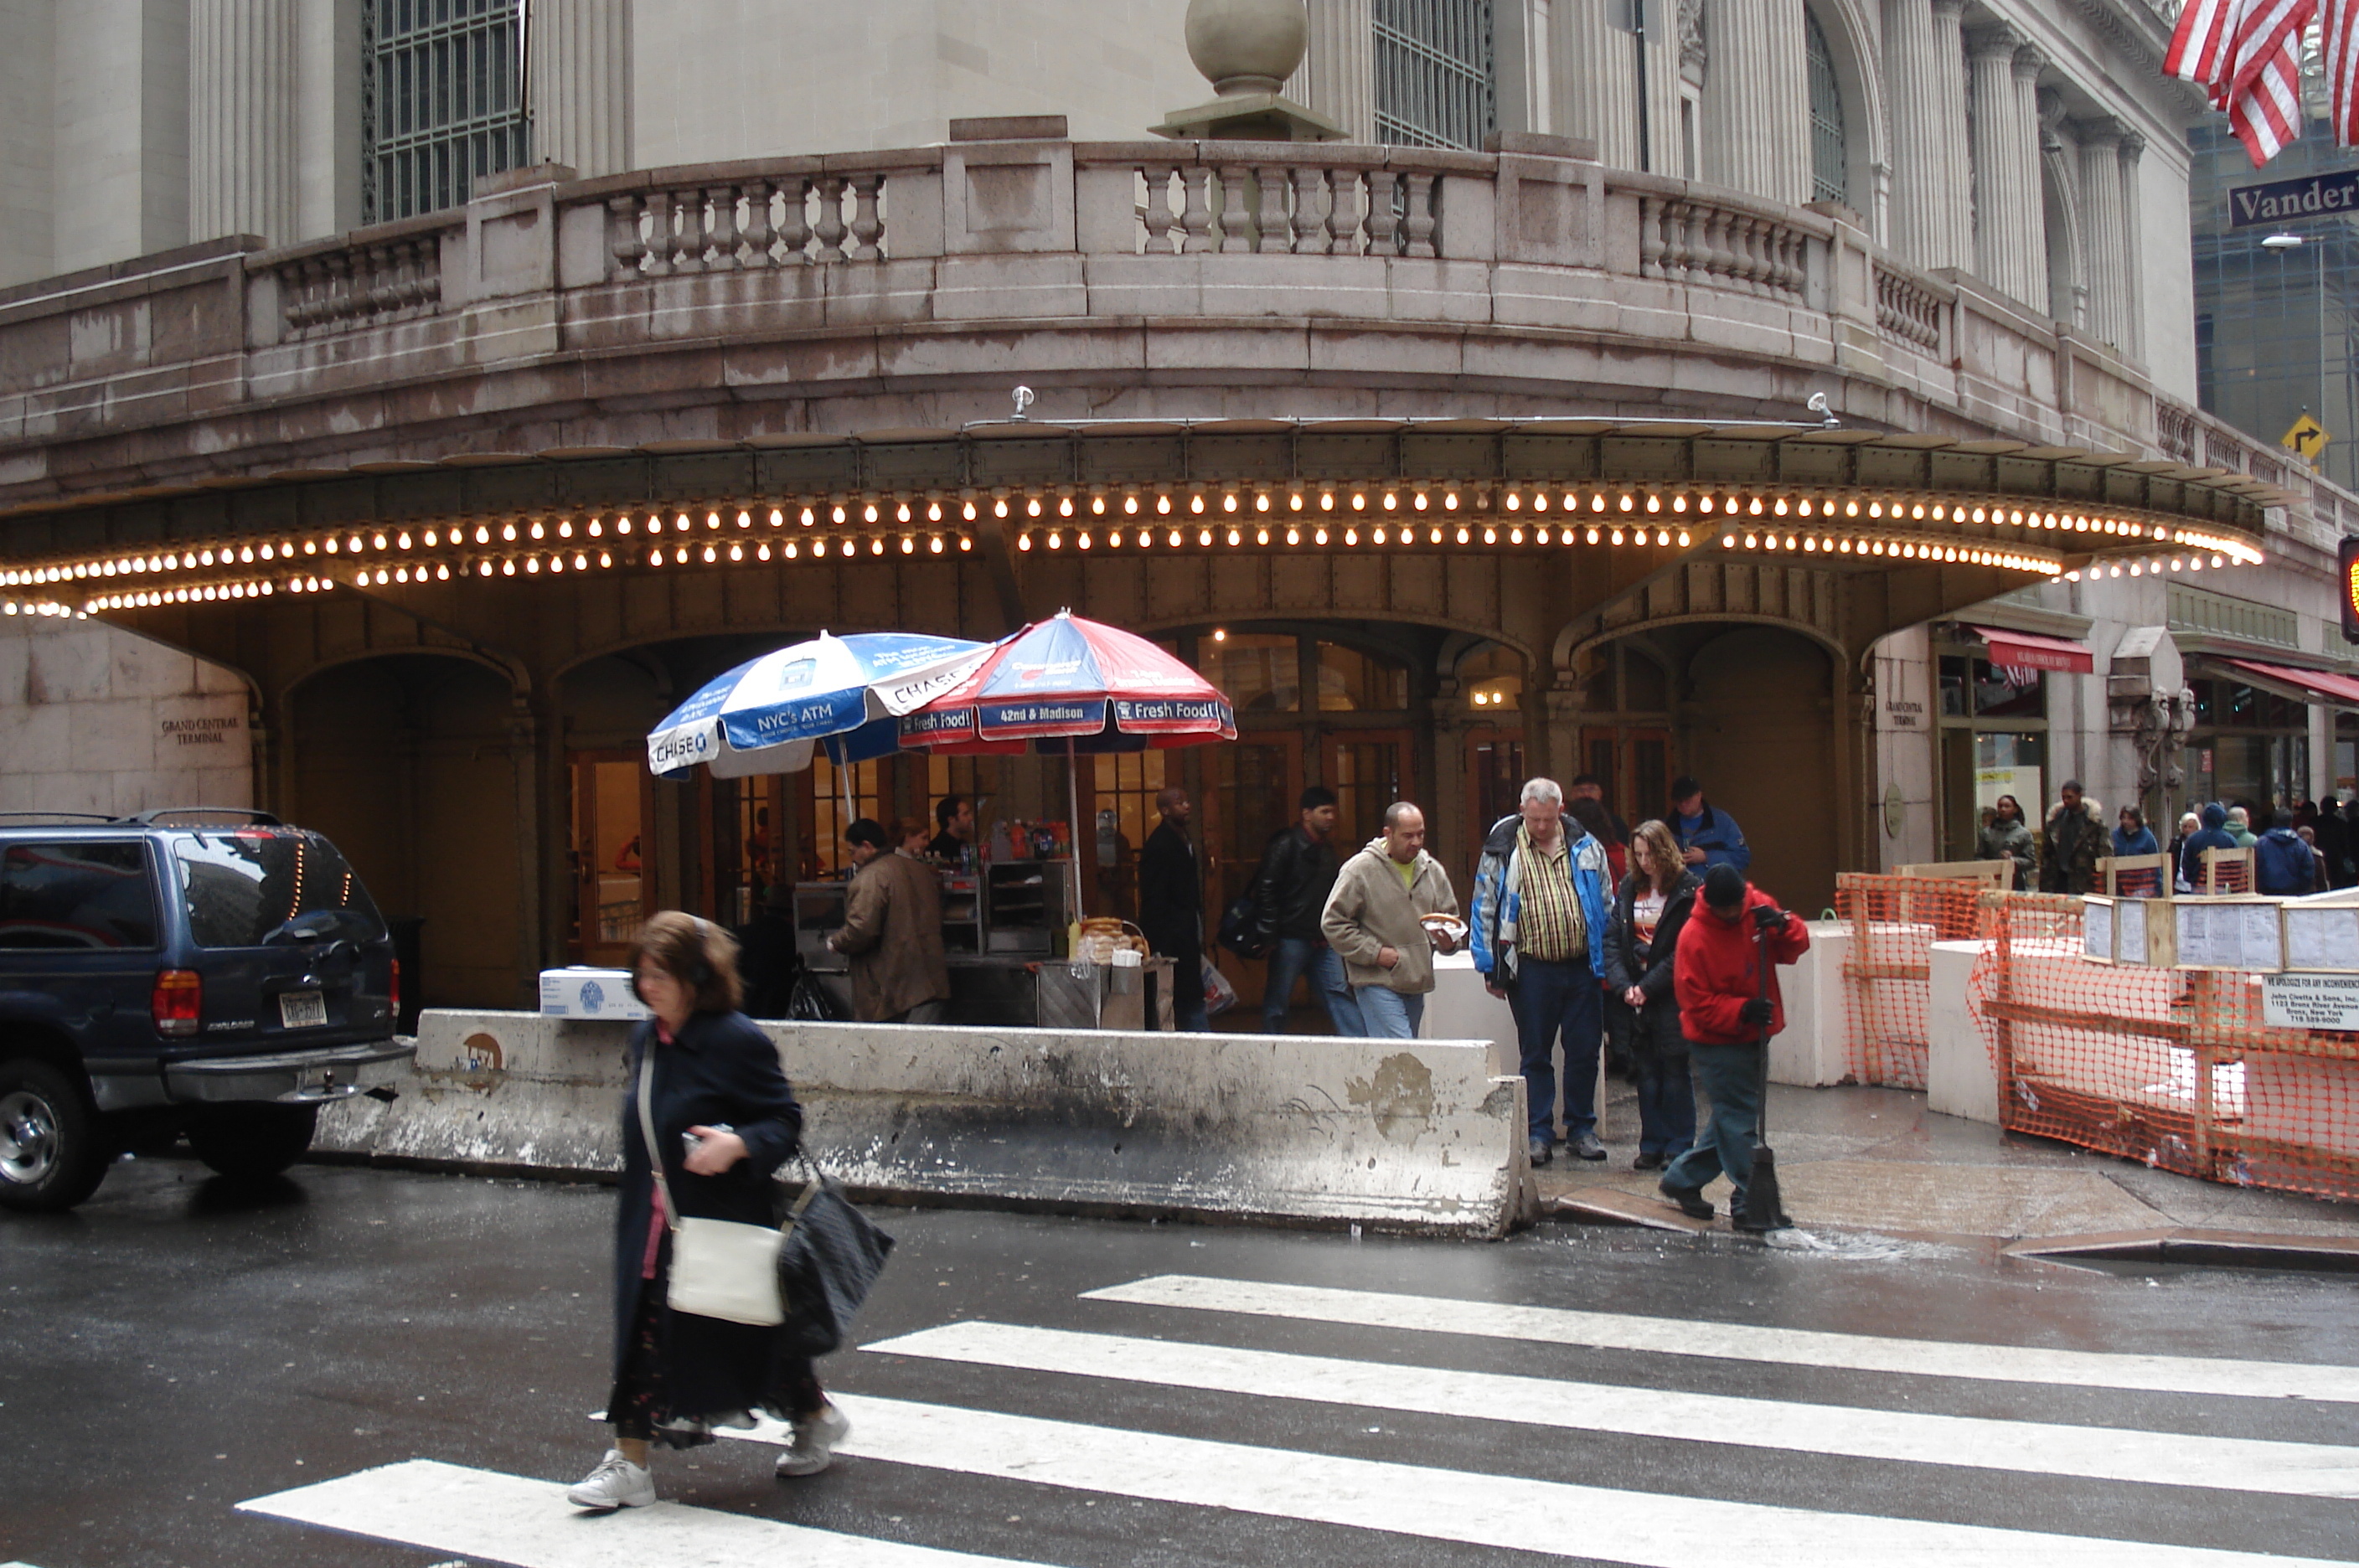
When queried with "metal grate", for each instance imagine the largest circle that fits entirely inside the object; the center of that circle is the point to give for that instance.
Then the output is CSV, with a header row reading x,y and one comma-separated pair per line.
x,y
1435,83
442,102
1829,172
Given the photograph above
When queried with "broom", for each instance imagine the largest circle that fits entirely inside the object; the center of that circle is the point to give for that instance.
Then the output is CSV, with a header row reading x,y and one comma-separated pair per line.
x,y
1764,1209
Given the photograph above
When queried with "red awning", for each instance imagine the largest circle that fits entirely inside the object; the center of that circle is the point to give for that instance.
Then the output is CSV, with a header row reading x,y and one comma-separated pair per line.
x,y
2335,690
2026,651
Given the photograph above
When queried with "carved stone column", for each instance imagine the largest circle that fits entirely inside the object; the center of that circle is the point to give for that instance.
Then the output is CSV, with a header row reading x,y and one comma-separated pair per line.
x,y
242,104
1755,130
2106,219
1949,82
2031,217
1596,66
1926,73
2133,339
578,84
1998,171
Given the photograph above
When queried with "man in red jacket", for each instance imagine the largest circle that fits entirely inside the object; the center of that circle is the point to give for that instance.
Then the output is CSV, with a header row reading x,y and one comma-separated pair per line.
x,y
1728,1020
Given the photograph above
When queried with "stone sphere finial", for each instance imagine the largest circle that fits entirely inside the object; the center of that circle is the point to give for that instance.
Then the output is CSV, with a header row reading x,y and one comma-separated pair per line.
x,y
1247,46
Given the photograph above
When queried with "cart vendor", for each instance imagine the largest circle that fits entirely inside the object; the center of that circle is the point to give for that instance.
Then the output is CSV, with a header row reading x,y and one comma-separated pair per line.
x,y
892,928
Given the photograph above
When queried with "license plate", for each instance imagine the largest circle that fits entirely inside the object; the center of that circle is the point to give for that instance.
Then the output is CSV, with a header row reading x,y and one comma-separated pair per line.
x,y
302,1009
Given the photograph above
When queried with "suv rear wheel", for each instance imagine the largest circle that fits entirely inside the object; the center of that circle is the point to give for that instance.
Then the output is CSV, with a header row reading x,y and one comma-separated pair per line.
x,y
253,1141
51,1156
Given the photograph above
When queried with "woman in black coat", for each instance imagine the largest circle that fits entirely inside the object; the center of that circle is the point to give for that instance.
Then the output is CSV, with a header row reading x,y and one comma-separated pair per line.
x,y
1650,909
725,1120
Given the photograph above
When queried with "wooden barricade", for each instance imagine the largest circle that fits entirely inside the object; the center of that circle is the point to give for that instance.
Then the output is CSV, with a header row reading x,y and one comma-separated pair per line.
x,y
2227,871
2134,876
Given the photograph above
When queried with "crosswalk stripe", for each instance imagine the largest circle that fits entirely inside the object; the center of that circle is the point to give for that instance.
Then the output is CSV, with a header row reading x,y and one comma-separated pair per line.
x,y
481,1514
1802,1347
2096,1452
1648,1530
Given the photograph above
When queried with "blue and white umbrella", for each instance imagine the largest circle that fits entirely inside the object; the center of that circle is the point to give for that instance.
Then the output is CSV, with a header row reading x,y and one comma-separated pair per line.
x,y
848,694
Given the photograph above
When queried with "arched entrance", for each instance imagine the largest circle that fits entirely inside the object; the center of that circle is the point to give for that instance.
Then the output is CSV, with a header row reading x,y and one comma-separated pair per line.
x,y
1748,710
408,763
1759,716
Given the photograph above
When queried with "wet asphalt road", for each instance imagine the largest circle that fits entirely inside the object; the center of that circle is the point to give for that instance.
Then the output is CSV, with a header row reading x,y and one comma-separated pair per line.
x,y
180,1344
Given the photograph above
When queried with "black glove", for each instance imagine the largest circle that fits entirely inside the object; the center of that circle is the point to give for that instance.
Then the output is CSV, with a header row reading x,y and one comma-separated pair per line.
x,y
1755,1012
1772,919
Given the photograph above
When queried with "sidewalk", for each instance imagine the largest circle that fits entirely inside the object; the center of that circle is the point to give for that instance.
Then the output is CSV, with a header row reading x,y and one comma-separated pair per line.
x,y
1876,1160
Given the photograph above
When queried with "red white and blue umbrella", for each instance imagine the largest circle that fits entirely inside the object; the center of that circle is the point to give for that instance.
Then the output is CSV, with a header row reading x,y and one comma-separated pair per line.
x,y
844,694
1074,686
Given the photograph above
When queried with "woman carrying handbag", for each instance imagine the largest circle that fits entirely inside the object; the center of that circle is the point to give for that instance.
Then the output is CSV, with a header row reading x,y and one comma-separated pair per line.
x,y
706,1080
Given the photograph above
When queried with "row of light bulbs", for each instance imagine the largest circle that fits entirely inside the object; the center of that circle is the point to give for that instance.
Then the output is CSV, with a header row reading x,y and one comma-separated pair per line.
x,y
1594,509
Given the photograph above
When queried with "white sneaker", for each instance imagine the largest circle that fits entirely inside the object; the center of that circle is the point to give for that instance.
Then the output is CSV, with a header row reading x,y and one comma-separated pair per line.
x,y
814,1446
616,1483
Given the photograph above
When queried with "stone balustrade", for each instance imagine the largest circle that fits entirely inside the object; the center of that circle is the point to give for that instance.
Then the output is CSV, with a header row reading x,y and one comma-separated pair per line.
x,y
1335,205
1910,307
1724,241
1527,279
363,280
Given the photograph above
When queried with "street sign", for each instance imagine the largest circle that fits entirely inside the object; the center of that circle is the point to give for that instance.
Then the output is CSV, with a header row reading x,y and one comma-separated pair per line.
x,y
2283,200
2308,438
2310,1001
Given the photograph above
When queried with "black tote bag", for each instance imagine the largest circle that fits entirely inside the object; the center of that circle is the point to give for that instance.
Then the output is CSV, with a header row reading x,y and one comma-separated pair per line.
x,y
828,1262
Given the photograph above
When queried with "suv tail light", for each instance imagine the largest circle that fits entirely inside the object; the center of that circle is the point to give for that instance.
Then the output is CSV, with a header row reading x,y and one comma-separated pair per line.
x,y
393,1005
179,998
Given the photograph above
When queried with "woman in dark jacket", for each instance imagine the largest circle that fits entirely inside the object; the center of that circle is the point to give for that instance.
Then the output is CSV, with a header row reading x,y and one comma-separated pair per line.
x,y
725,1120
1650,908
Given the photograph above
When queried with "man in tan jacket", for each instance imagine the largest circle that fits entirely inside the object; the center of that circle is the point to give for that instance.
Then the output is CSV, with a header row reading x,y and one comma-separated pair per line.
x,y
1374,921
893,929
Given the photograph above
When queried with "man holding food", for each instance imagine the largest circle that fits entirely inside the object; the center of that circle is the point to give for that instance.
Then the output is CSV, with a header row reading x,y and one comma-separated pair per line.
x,y
1392,908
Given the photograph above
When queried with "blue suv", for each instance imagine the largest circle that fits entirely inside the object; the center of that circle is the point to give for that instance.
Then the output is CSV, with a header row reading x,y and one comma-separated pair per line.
x,y
175,975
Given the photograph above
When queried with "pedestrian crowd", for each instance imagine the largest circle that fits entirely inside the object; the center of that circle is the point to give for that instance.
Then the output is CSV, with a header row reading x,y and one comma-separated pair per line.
x,y
2309,849
1644,946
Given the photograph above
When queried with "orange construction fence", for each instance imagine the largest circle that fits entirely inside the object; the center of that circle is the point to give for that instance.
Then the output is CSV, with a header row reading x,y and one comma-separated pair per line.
x,y
1888,989
2179,1068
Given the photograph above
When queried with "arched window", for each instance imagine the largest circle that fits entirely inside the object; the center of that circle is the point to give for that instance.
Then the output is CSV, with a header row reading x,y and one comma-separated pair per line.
x,y
1829,178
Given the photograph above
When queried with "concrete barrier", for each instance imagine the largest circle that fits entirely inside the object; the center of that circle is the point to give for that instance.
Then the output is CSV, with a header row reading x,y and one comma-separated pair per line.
x,y
1960,1080
1406,1136
1815,1049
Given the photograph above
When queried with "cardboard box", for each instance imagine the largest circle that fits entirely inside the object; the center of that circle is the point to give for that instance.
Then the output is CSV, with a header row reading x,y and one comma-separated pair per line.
x,y
584,993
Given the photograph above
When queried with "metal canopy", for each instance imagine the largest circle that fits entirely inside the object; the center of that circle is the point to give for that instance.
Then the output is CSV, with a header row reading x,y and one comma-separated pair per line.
x,y
1084,457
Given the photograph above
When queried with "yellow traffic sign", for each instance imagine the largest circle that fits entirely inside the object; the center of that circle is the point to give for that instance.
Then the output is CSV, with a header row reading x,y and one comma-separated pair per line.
x,y
2308,438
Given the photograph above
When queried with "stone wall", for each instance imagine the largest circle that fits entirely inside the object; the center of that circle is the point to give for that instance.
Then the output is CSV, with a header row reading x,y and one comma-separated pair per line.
x,y
98,719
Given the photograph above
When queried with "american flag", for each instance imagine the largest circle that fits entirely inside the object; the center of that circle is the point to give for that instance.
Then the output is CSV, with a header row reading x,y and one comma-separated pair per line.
x,y
2246,54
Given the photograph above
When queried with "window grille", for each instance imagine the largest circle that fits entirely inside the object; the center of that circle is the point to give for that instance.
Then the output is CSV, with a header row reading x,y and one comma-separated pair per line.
x,y
1829,175
1435,81
441,102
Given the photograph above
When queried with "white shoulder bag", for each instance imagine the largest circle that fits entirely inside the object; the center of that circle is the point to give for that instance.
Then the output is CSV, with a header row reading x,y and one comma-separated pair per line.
x,y
720,1268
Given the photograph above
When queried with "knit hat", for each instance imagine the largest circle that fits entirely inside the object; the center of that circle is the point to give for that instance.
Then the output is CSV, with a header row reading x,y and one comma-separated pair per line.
x,y
1724,886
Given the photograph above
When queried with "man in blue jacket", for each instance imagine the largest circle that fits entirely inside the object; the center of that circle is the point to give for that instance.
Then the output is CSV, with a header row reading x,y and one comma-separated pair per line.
x,y
1707,836
2213,836
2283,866
1538,936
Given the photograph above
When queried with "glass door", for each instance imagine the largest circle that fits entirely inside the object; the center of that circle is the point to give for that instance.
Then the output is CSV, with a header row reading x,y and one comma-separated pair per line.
x,y
1368,770
1250,791
1635,765
612,829
1494,780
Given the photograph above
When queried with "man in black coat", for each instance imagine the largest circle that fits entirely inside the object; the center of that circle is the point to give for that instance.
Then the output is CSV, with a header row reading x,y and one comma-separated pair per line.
x,y
1172,906
1289,892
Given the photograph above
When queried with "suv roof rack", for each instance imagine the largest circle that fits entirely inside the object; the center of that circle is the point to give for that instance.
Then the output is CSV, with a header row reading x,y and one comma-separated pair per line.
x,y
59,816
156,817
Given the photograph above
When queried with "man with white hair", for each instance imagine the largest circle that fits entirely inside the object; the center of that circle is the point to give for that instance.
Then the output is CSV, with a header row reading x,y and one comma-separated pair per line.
x,y
1539,940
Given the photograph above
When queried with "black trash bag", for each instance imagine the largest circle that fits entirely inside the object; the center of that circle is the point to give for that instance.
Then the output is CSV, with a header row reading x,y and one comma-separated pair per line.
x,y
829,1258
811,1004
